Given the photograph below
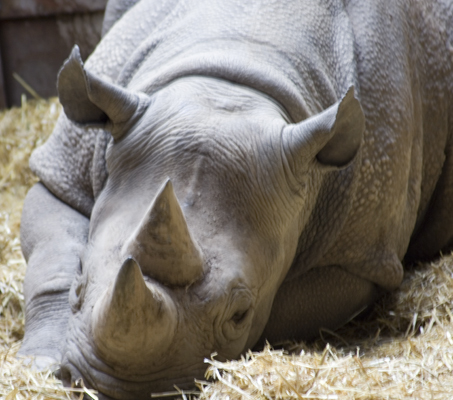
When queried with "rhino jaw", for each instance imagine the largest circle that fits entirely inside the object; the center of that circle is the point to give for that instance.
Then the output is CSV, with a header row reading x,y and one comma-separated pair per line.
x,y
133,320
162,243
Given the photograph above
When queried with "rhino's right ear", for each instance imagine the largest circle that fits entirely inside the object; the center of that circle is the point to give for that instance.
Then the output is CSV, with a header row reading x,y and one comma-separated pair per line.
x,y
91,101
331,137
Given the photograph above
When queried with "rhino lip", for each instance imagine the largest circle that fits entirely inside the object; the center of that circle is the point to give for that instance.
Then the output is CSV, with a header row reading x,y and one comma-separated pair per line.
x,y
117,383
110,387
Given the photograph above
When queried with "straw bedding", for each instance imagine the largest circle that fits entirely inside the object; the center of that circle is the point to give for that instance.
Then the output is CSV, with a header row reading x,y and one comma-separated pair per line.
x,y
403,349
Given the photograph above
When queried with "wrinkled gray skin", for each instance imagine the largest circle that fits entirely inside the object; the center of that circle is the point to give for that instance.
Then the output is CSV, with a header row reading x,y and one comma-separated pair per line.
x,y
288,208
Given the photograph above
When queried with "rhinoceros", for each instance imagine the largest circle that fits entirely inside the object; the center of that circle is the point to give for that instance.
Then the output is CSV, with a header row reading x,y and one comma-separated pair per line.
x,y
230,172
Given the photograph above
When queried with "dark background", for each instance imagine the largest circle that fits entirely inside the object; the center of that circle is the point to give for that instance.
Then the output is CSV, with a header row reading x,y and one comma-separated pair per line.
x,y
36,36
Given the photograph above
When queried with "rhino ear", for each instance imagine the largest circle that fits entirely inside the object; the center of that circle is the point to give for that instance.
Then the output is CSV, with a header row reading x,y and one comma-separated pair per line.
x,y
91,101
333,136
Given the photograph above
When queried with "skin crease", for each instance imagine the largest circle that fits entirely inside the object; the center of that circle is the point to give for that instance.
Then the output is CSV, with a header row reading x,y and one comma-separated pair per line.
x,y
309,147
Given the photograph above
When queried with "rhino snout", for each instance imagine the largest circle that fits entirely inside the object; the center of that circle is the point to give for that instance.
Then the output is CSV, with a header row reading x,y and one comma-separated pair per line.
x,y
133,319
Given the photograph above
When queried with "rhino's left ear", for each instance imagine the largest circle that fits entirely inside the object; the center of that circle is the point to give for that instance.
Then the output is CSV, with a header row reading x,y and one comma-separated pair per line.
x,y
91,101
333,136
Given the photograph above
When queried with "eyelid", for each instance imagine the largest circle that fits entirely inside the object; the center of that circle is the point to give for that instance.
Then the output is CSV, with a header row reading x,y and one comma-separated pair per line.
x,y
241,302
76,294
240,316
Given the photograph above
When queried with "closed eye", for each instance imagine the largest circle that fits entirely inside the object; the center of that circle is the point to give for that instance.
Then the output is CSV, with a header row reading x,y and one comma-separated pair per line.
x,y
239,316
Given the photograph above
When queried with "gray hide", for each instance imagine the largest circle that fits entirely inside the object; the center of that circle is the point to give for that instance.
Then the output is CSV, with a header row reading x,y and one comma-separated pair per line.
x,y
227,172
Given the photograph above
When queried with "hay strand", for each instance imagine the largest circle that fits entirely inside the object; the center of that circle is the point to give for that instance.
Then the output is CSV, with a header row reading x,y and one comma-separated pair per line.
x,y
26,86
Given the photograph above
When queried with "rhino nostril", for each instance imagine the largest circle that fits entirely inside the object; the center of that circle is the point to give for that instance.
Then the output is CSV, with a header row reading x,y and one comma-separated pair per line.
x,y
65,376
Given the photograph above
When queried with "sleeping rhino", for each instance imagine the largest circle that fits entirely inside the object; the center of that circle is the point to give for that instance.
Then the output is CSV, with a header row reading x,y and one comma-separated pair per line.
x,y
230,172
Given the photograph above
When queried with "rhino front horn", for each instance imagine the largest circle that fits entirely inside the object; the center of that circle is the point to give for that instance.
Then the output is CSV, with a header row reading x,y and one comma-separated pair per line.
x,y
162,243
132,320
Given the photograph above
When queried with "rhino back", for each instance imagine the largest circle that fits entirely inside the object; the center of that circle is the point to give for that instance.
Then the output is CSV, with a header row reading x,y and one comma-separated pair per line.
x,y
300,54
405,73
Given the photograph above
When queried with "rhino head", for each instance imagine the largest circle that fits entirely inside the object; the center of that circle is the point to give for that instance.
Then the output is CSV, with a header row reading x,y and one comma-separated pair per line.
x,y
208,190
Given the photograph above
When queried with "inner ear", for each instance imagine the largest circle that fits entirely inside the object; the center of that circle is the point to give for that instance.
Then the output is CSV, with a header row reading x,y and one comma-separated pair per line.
x,y
347,133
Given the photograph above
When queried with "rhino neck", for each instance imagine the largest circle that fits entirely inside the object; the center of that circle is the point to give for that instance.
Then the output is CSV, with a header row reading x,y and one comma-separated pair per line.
x,y
275,54
234,66
330,212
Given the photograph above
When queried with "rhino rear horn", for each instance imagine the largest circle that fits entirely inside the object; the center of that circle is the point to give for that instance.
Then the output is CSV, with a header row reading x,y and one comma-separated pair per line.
x,y
333,136
132,320
162,243
92,101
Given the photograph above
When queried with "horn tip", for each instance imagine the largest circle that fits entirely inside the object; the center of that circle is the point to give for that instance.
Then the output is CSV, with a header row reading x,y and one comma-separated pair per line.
x,y
129,274
165,190
168,184
128,266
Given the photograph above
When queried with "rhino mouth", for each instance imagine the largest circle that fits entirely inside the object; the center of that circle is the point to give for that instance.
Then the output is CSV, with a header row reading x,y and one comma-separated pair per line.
x,y
158,385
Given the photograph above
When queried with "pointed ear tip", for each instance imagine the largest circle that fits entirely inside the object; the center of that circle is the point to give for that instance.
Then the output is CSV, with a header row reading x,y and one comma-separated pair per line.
x,y
73,61
75,52
351,99
74,58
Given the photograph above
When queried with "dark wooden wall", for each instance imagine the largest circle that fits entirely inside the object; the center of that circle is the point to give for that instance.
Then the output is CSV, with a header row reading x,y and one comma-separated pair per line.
x,y
36,36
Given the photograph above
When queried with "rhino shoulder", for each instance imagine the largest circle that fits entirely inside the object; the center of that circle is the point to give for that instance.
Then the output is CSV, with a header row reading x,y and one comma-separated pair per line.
x,y
71,164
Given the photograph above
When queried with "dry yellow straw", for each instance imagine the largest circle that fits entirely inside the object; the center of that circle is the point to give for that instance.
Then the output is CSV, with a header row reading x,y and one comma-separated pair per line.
x,y
26,86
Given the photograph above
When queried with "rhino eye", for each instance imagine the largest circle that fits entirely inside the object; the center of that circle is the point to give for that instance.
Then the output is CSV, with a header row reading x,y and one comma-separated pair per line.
x,y
239,316
76,296
76,292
